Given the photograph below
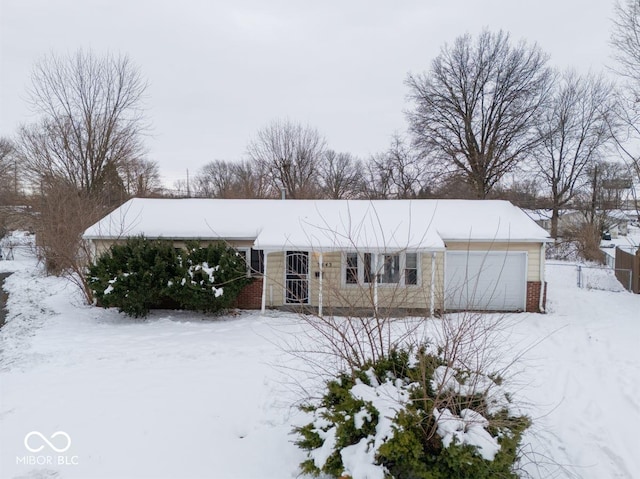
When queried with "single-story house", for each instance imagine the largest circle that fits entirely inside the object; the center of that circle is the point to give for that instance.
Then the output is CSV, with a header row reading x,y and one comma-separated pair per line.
x,y
541,217
616,222
426,255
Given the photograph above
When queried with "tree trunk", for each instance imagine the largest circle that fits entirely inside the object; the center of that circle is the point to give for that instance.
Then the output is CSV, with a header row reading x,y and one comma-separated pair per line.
x,y
555,215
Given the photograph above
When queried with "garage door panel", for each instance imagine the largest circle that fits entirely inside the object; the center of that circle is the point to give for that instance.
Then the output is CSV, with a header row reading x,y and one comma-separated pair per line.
x,y
485,280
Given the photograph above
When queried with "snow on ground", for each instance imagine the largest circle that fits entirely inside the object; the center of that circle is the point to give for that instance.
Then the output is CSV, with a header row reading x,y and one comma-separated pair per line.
x,y
183,395
582,380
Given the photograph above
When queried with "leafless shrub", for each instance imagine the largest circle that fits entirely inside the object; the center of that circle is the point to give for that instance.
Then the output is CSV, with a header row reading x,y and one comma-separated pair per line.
x,y
62,214
586,236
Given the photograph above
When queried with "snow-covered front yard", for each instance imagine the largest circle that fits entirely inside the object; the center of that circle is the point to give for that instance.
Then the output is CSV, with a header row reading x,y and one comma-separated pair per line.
x,y
185,396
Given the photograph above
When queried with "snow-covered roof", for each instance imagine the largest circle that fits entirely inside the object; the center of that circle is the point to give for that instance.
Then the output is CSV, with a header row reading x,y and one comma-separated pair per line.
x,y
538,215
618,215
322,224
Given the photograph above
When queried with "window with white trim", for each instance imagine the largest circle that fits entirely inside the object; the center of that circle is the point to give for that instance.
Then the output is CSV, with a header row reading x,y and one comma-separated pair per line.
x,y
254,260
411,268
399,268
351,268
389,271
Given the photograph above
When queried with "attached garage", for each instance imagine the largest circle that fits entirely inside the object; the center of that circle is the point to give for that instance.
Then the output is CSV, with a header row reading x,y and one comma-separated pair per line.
x,y
486,280
418,255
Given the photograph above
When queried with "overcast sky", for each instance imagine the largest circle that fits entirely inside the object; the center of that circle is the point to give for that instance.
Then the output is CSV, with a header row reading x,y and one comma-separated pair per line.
x,y
218,71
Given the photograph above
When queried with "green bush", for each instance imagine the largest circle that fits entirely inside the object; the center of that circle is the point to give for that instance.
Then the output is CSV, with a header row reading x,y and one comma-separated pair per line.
x,y
404,440
211,277
141,274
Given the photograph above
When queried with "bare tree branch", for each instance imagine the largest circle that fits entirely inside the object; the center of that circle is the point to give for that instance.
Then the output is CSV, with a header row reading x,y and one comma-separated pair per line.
x,y
576,128
91,120
476,109
341,175
290,154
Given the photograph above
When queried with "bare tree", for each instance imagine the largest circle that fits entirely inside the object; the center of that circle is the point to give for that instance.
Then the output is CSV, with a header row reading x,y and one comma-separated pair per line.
x,y
625,38
378,182
88,133
216,179
140,177
180,189
91,119
476,109
290,154
575,130
9,182
406,169
252,180
341,175
523,191
225,179
397,173
6,149
610,182
607,183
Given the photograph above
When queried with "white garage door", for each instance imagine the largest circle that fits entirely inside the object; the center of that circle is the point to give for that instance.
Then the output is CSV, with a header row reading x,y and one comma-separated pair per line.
x,y
481,280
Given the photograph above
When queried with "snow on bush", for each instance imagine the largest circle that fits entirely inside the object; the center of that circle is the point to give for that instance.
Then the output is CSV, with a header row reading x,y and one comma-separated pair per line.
x,y
409,415
142,274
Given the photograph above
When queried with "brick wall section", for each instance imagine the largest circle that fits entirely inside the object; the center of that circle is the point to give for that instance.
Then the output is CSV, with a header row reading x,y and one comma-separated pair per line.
x,y
250,296
534,289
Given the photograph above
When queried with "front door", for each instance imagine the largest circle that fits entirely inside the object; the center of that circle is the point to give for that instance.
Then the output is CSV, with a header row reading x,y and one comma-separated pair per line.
x,y
297,277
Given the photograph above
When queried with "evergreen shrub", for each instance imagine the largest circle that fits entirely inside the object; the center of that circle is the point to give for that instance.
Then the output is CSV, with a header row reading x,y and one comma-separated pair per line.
x,y
388,420
141,274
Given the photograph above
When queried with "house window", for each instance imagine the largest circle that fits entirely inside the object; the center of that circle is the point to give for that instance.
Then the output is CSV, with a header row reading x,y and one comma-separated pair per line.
x,y
254,260
399,268
351,269
390,271
411,268
256,264
367,267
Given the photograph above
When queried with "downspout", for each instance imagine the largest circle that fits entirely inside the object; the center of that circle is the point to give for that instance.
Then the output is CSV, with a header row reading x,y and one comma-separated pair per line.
x,y
264,284
432,287
542,278
320,284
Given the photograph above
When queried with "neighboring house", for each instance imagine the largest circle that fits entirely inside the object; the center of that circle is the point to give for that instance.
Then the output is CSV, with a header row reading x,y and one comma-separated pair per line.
x,y
616,222
633,217
423,255
541,217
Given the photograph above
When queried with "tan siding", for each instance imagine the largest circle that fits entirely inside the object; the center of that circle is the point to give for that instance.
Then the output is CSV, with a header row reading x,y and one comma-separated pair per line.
x,y
439,289
275,279
532,249
337,294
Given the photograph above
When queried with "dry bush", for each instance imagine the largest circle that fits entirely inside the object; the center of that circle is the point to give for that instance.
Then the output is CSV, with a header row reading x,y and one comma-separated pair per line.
x,y
586,237
62,215
351,330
